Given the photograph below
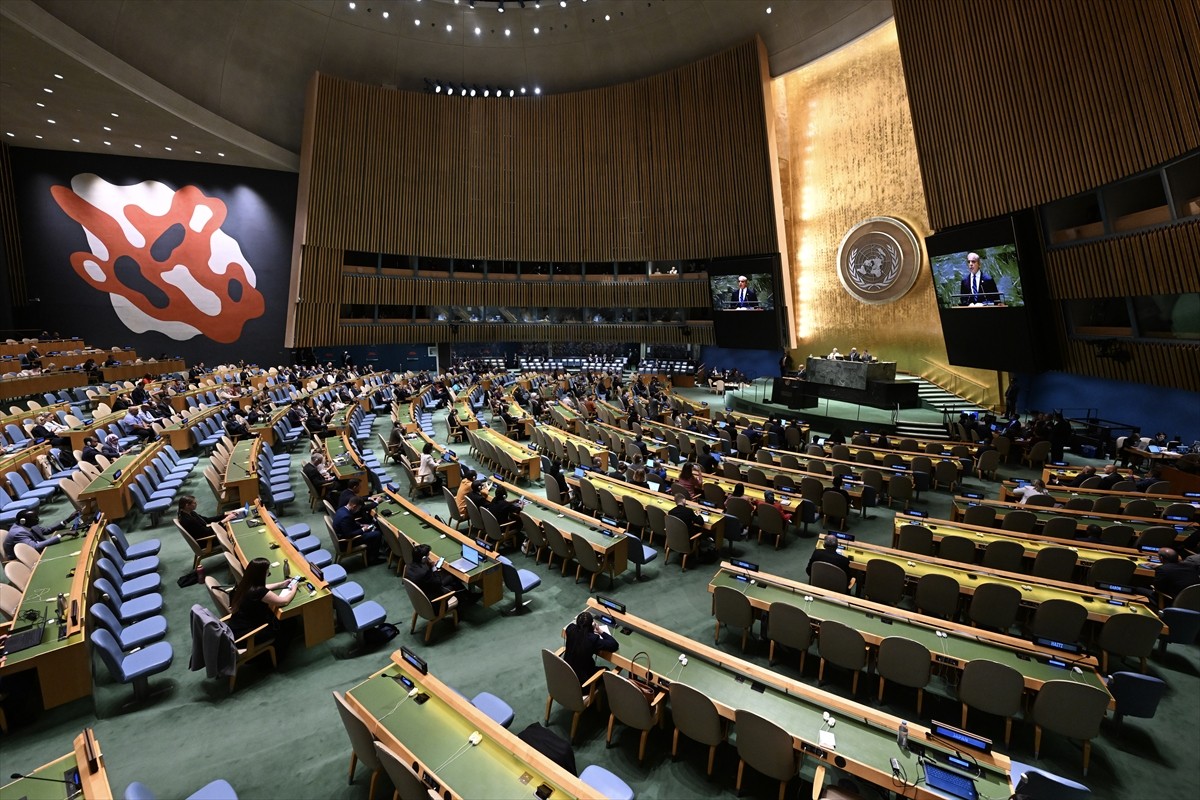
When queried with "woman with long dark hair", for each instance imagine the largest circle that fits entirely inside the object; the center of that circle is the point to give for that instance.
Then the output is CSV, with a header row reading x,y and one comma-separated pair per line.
x,y
254,600
586,637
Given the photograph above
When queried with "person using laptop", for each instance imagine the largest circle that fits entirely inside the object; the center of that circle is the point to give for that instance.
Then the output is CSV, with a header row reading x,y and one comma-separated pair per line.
x,y
1032,490
433,582
39,537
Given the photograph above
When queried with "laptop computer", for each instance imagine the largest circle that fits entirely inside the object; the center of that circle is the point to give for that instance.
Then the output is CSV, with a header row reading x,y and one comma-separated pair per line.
x,y
1154,448
952,783
30,637
470,559
653,486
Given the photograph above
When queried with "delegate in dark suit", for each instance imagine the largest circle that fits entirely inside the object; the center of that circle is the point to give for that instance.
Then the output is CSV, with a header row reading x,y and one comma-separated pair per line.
x,y
743,297
346,527
829,555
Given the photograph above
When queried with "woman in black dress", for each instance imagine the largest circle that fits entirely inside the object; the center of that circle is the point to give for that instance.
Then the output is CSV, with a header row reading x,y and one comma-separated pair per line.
x,y
254,600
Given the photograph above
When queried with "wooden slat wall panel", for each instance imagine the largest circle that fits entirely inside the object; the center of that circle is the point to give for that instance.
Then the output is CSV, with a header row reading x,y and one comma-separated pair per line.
x,y
672,166
1171,365
1020,102
12,231
437,333
382,290
1160,261
319,302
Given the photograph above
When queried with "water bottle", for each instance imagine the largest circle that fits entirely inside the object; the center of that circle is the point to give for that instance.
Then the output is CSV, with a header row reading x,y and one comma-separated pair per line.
x,y
902,736
200,573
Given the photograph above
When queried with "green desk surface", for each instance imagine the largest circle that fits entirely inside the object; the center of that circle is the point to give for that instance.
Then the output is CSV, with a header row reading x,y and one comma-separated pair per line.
x,y
568,525
1032,590
99,422
958,646
443,543
335,446
868,744
25,789
712,518
107,479
1082,518
855,466
53,574
260,542
240,458
437,734
1063,494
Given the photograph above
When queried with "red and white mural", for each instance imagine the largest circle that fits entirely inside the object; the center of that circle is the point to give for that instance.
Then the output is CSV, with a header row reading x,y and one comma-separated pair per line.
x,y
162,257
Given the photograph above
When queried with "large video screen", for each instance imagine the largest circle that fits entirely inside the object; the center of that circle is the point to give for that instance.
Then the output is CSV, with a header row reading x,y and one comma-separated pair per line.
x,y
992,295
746,304
985,277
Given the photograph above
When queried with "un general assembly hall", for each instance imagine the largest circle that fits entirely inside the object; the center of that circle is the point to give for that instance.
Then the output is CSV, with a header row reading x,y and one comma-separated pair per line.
x,y
553,399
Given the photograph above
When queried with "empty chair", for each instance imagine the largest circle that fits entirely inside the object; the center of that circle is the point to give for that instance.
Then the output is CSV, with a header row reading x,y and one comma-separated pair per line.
x,y
628,704
937,595
1055,563
1108,504
1004,554
994,605
770,523
835,507
1060,620
134,635
606,784
149,547
130,587
1019,520
136,667
829,576
587,558
1156,536
696,717
1128,635
945,475
1183,624
766,747
1142,507
10,601
791,627
681,541
988,463
1078,504
984,516
841,646
1185,510
885,582
1037,455
992,688
1111,571
957,548
905,662
732,608
408,783
563,687
214,790
359,618
128,568
430,610
1116,535
1059,528
1135,695
518,581
916,539
127,609
362,743
1074,710
559,546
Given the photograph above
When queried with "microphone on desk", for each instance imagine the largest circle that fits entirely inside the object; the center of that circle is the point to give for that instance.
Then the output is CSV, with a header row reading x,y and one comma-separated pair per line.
x,y
18,776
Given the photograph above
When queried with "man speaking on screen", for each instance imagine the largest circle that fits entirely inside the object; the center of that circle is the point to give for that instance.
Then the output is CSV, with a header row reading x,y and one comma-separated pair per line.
x,y
977,287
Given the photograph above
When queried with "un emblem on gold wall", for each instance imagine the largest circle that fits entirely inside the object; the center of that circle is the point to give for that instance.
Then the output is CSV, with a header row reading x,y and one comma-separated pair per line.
x,y
878,260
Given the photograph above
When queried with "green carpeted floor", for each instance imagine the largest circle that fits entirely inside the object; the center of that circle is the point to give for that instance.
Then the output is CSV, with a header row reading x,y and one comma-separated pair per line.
x,y
279,736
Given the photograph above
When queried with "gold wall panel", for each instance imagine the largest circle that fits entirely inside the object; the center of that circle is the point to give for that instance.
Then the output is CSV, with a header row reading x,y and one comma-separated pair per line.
x,y
850,154
1020,102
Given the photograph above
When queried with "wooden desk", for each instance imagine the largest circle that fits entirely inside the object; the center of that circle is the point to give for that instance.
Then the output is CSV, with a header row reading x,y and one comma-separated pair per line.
x,y
1062,494
241,473
611,549
63,665
129,372
1100,605
876,622
527,462
866,737
451,470
1087,553
179,434
83,767
110,491
80,432
713,519
1083,519
432,736
12,388
345,462
407,519
258,536
560,438
1053,474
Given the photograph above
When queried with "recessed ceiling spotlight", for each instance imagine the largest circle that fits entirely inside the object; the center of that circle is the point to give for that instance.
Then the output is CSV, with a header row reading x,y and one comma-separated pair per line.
x,y
507,32
477,31
76,141
222,155
537,90
109,144
510,94
60,77
417,22
537,31
9,133
386,15
108,129
37,136
562,3
607,18
115,114
197,152
522,90
138,146
472,91
449,28
500,6
353,6
52,122
41,105
487,92
173,136
768,9
48,90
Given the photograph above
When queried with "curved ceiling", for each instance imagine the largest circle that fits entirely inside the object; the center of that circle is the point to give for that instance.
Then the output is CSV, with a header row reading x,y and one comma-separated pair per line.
x,y
224,80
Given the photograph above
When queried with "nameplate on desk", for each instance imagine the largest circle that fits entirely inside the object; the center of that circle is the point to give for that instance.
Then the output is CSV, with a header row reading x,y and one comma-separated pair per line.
x,y
413,660
746,565
844,537
1066,647
914,513
973,495
610,604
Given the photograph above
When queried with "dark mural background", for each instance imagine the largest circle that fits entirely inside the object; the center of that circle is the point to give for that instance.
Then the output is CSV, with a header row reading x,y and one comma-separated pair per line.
x,y
156,203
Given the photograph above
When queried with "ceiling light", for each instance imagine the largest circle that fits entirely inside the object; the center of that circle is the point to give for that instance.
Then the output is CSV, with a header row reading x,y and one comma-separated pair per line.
x,y
437,88
500,6
197,152
52,122
522,90
768,9
9,133
562,3
449,28
173,136
222,155
477,31
537,30
60,77
115,114
511,93
353,6
537,90
487,92
507,32
472,91
386,15
76,141
110,129
168,149
41,105
37,136
48,91
109,144
607,18
417,22
138,146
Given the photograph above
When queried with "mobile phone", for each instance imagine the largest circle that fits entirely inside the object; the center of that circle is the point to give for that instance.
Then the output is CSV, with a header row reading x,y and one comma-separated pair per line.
x,y
287,570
